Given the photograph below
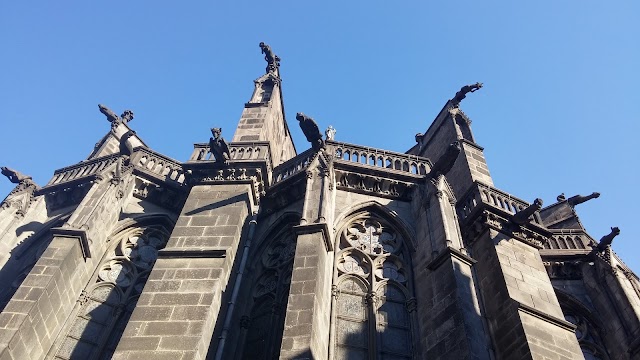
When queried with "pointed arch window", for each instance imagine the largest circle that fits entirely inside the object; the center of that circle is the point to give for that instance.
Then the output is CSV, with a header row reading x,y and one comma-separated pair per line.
x,y
372,293
270,292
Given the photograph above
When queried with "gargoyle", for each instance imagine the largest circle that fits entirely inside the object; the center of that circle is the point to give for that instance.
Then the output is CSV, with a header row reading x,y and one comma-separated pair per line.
x,y
446,160
608,239
273,61
522,217
311,131
126,148
460,95
126,116
218,146
14,176
579,199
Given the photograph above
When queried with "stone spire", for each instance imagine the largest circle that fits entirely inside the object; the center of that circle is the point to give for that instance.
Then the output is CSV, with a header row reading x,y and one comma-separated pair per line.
x,y
263,118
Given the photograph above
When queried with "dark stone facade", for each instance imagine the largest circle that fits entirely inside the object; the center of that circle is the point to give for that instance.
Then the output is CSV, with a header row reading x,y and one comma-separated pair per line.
x,y
338,252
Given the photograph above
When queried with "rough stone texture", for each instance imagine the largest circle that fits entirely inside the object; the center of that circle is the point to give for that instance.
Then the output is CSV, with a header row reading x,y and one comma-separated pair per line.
x,y
189,290
511,274
309,302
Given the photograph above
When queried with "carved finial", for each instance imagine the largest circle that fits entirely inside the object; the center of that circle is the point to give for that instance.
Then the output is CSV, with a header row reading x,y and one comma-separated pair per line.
x,y
219,147
419,137
608,239
311,131
273,61
561,197
460,95
14,176
446,161
579,199
330,133
127,116
522,217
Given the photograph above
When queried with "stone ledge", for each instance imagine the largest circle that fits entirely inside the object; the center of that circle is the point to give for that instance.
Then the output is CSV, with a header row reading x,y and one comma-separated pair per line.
x,y
314,228
546,317
173,253
72,233
449,253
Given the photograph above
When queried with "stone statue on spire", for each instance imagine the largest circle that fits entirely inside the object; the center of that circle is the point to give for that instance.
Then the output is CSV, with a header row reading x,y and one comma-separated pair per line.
x,y
460,95
114,119
273,61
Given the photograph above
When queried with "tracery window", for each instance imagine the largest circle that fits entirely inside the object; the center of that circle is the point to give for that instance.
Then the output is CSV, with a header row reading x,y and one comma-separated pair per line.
x,y
588,336
372,294
104,308
270,293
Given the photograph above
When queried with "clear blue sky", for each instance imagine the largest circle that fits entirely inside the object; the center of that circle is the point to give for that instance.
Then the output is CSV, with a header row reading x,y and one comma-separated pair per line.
x,y
558,112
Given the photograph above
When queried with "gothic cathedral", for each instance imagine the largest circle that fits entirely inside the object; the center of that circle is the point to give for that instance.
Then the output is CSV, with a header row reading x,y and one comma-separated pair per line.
x,y
251,250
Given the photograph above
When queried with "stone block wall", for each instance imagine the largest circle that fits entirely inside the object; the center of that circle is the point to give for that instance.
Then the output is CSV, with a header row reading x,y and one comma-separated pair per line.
x,y
524,315
179,306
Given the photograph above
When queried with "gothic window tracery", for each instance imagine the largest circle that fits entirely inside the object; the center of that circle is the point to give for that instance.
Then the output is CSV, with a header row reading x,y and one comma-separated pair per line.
x,y
588,336
104,307
372,292
270,292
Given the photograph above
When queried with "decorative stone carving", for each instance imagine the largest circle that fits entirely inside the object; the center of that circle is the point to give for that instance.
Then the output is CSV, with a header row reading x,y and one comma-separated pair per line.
x,y
372,287
114,119
579,199
22,196
374,185
568,270
159,195
273,61
608,239
311,131
522,217
446,161
219,147
460,95
126,148
330,133
66,196
15,176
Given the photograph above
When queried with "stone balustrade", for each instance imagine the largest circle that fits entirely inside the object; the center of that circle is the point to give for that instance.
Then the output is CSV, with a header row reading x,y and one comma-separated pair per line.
x,y
238,150
484,194
292,166
569,240
380,158
159,165
82,169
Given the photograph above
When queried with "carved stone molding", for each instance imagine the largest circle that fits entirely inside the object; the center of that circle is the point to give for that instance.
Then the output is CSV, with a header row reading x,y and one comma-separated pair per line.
x,y
21,197
567,270
489,220
373,185
227,175
78,234
69,195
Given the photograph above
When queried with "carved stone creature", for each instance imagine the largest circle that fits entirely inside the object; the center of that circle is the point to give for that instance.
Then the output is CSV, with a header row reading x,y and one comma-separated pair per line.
x,y
311,131
579,199
273,61
446,160
126,148
219,147
126,116
522,217
330,133
460,95
14,176
608,239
